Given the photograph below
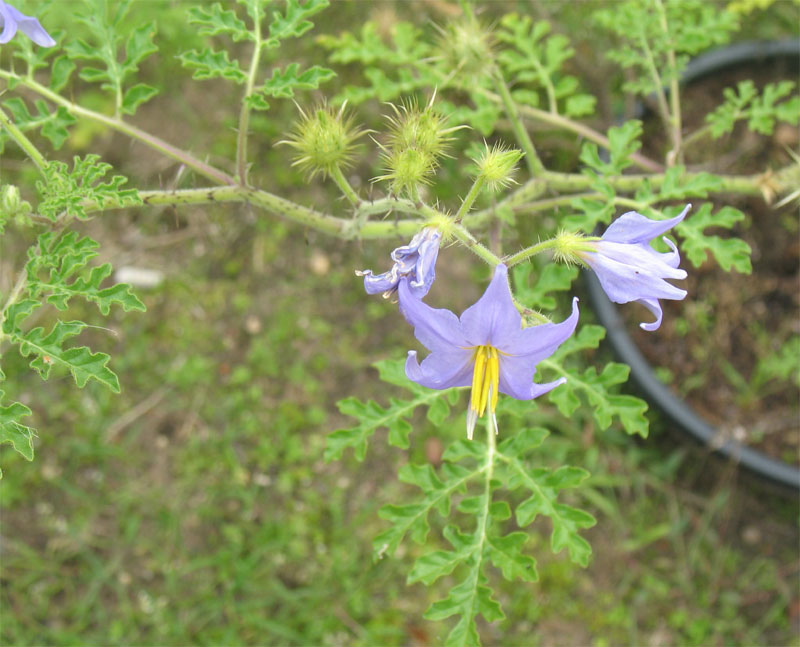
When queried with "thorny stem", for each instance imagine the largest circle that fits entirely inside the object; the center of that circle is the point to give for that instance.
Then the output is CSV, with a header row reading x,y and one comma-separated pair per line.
x,y
535,165
244,113
24,143
207,171
344,186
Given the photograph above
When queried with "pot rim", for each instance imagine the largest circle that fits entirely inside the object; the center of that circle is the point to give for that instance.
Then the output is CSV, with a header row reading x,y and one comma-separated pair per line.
x,y
658,393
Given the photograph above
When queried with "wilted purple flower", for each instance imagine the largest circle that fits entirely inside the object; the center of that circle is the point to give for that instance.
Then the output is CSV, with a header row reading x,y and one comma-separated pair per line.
x,y
12,20
415,261
486,347
629,269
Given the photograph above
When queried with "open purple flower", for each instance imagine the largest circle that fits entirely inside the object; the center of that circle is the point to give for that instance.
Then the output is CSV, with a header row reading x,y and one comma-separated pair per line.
x,y
629,269
415,261
486,347
12,20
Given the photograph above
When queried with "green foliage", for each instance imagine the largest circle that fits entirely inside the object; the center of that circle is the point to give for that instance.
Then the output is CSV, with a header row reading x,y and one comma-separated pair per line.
x,y
761,111
67,194
56,270
552,278
533,56
117,62
13,431
604,402
655,38
210,64
215,20
729,253
294,23
402,57
372,416
623,141
284,82
53,123
490,468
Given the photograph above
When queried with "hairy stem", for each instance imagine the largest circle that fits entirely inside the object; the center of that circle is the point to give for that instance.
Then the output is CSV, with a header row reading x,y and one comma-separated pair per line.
x,y
474,191
528,252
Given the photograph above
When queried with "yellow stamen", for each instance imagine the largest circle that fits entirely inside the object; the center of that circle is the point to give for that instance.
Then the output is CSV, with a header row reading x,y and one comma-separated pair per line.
x,y
485,379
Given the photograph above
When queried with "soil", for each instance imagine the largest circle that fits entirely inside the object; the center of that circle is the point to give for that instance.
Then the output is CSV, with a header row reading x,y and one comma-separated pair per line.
x,y
712,342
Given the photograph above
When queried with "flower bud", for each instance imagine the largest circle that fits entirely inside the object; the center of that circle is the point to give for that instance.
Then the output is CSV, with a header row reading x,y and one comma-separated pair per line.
x,y
570,245
407,169
325,139
424,129
496,165
466,46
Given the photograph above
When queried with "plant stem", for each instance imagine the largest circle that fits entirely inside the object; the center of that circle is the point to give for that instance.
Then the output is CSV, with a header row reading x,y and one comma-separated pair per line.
x,y
344,186
535,165
474,191
471,243
663,109
674,90
207,171
526,253
24,143
244,113
22,279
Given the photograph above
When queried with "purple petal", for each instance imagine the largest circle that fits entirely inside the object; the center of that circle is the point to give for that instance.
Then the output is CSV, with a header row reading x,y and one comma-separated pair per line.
x,y
643,258
624,283
436,329
655,307
9,23
539,342
673,258
31,27
493,319
441,370
377,283
633,227
516,379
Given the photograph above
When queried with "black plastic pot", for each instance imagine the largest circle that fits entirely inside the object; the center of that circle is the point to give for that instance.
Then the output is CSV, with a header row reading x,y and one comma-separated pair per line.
x,y
655,391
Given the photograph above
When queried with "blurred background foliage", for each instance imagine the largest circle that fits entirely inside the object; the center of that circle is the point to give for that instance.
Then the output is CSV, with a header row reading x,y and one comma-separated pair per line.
x,y
195,508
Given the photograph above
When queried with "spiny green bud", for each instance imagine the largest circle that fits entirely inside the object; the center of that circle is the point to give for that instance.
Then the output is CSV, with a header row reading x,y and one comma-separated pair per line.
x,y
569,247
325,139
424,129
445,224
466,47
496,165
407,169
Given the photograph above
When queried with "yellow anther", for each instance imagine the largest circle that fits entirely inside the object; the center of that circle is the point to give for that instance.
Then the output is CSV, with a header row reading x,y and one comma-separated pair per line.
x,y
485,379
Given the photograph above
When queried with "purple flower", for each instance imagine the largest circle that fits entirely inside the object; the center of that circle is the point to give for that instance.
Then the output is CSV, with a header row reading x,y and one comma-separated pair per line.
x,y
414,261
486,347
630,270
12,20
